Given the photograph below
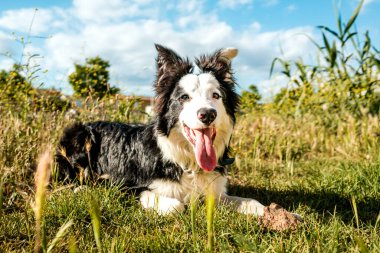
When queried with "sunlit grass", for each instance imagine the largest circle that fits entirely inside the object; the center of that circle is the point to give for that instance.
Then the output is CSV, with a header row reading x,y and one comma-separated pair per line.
x,y
323,164
319,183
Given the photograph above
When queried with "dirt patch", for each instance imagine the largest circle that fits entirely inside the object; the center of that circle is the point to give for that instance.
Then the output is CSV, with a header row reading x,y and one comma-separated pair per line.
x,y
276,218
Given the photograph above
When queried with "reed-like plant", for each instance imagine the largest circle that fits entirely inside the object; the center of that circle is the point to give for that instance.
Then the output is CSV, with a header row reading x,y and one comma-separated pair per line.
x,y
41,181
344,79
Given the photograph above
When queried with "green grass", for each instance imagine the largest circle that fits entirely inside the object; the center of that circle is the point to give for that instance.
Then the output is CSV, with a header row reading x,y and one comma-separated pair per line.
x,y
323,162
330,174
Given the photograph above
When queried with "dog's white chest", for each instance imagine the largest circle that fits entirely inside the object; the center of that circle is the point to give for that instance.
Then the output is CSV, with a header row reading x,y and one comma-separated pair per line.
x,y
198,184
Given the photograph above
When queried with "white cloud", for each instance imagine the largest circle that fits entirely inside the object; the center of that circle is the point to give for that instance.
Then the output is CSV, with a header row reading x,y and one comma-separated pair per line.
x,y
255,26
106,29
6,64
5,46
367,2
269,3
102,11
291,8
190,6
257,50
233,3
36,20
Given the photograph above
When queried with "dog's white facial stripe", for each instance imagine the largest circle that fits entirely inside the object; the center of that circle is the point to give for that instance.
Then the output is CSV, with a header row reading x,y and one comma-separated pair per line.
x,y
200,89
199,84
189,83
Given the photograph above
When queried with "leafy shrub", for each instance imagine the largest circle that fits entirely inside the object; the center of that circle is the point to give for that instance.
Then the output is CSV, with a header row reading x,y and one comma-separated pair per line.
x,y
13,86
250,98
92,79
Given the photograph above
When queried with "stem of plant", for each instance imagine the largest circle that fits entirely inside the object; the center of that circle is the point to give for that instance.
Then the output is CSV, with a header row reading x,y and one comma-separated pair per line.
x,y
193,210
210,207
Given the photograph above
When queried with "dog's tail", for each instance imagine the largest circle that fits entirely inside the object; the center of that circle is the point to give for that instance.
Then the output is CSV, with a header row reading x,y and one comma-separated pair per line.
x,y
73,159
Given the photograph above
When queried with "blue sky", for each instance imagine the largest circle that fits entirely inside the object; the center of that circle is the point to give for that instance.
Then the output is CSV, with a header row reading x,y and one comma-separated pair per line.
x,y
123,32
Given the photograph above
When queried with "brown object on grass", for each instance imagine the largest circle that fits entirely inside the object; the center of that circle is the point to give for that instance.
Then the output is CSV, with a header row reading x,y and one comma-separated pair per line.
x,y
278,219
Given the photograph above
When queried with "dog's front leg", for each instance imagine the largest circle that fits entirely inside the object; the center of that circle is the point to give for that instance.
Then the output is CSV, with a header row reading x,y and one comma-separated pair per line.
x,y
243,205
161,204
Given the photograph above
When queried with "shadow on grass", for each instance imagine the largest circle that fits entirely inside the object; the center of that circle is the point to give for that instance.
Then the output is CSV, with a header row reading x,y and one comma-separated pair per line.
x,y
324,203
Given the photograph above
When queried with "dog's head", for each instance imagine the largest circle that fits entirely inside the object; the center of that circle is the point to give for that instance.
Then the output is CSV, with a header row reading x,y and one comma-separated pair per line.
x,y
195,112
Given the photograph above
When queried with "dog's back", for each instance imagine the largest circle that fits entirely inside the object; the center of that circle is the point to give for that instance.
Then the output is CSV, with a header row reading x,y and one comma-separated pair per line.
x,y
127,154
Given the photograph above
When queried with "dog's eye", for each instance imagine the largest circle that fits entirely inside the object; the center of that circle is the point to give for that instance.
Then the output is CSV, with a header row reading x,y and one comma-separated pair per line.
x,y
184,97
215,95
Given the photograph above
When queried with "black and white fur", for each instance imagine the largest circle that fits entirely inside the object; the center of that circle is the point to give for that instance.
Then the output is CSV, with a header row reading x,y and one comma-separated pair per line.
x,y
159,158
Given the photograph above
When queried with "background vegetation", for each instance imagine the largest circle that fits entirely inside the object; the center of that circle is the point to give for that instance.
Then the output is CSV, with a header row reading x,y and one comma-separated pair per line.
x,y
315,150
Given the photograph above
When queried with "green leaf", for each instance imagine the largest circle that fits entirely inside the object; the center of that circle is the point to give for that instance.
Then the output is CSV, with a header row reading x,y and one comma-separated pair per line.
x,y
353,17
326,42
272,65
329,30
333,54
340,25
348,37
285,64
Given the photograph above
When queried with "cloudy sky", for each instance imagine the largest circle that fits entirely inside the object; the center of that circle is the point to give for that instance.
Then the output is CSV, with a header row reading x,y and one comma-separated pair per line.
x,y
62,32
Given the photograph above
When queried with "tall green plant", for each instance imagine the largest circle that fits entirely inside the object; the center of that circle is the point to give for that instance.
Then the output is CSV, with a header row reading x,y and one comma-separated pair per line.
x,y
344,79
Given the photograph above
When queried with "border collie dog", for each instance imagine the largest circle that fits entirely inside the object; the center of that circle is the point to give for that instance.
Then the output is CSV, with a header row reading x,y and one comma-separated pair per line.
x,y
184,149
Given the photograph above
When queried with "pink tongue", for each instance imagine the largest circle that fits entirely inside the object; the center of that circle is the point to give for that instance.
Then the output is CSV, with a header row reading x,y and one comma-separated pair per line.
x,y
204,151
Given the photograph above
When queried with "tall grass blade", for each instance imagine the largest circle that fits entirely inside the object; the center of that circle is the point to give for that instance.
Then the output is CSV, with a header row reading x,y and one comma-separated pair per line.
x,y
72,245
355,208
329,30
351,35
210,210
41,180
1,195
377,221
193,211
340,28
43,236
333,55
272,65
326,42
62,232
94,211
353,17
27,222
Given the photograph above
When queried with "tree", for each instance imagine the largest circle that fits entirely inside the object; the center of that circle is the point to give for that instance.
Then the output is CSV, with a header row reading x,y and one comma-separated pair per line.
x,y
92,79
250,98
13,85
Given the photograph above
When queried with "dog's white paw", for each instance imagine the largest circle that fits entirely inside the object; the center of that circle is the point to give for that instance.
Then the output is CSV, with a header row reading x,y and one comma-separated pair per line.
x,y
167,207
251,207
161,204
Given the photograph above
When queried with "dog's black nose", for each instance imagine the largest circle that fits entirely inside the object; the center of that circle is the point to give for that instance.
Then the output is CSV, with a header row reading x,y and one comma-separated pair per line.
x,y
206,115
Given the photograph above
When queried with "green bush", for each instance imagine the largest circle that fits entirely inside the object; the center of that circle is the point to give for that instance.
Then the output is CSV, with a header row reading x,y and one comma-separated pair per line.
x,y
250,98
13,86
92,79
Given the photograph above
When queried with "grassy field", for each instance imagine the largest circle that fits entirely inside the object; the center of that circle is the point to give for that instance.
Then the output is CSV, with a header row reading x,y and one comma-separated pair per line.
x,y
326,168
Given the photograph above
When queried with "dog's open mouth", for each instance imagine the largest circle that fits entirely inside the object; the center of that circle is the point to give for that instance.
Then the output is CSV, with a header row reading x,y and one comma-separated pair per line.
x,y
202,141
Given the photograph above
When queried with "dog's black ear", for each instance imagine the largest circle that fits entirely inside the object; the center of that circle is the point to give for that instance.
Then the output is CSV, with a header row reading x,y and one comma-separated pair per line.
x,y
170,69
219,64
167,59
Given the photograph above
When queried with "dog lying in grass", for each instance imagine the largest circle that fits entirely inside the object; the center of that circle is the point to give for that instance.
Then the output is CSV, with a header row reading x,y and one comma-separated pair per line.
x,y
182,152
